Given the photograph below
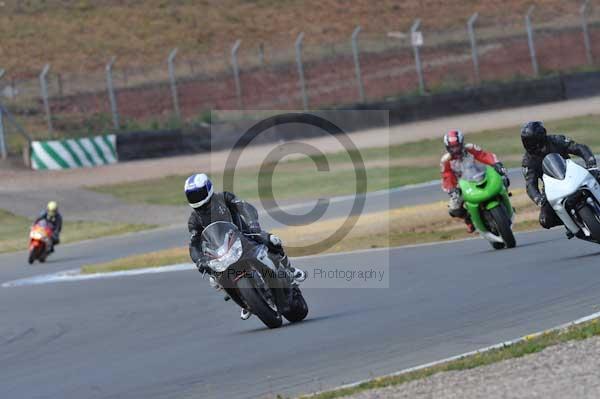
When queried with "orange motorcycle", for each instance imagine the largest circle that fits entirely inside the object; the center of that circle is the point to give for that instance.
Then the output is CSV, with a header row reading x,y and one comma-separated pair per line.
x,y
40,241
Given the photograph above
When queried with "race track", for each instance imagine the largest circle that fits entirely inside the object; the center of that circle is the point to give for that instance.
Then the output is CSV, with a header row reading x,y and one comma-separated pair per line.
x,y
170,336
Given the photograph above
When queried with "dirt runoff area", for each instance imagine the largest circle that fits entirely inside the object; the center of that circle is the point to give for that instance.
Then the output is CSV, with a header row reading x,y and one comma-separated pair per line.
x,y
568,370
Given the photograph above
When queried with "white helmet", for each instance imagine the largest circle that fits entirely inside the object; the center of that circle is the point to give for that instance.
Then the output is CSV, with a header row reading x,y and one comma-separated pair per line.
x,y
198,190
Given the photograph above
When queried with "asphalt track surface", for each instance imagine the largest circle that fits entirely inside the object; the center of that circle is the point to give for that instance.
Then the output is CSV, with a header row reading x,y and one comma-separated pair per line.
x,y
170,335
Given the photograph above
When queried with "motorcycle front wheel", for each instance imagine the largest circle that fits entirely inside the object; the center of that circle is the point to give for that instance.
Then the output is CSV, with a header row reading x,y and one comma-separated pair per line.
x,y
503,225
590,218
32,256
258,304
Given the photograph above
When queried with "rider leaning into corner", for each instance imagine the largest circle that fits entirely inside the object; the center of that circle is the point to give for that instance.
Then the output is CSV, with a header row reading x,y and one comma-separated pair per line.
x,y
52,216
538,144
210,207
457,152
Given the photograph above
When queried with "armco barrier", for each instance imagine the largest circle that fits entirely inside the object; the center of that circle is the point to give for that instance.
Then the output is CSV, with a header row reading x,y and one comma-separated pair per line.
x,y
162,143
73,153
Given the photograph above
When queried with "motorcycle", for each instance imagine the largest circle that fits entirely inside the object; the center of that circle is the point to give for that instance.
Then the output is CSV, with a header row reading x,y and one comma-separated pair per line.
x,y
574,194
487,201
251,276
40,241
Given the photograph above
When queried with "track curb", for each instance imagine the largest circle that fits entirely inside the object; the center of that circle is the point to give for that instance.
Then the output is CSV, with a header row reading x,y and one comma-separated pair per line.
x,y
501,345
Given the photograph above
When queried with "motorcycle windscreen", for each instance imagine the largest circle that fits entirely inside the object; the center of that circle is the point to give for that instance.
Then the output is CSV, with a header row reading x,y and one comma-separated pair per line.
x,y
472,171
217,236
222,244
43,224
555,166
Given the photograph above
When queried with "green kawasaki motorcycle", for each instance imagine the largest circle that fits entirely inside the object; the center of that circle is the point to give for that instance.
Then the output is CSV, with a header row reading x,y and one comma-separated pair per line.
x,y
487,201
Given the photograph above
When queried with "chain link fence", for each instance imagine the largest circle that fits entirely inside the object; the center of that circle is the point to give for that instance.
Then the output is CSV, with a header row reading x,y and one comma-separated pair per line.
x,y
367,67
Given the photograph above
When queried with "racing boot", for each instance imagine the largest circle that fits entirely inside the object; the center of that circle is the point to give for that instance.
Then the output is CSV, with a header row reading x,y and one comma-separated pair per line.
x,y
276,245
298,274
470,226
245,314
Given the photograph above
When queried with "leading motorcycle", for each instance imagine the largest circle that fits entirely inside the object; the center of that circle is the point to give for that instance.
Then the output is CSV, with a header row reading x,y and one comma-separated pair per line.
x,y
40,241
574,194
251,276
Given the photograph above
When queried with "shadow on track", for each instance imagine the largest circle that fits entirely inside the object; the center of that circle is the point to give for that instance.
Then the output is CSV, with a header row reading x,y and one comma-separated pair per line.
x,y
529,244
584,256
57,260
299,324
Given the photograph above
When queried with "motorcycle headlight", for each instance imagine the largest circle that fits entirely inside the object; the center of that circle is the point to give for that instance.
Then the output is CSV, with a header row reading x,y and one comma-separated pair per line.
x,y
36,235
226,256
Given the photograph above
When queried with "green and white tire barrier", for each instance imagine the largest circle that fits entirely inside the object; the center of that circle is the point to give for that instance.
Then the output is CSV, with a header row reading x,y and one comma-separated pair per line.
x,y
74,153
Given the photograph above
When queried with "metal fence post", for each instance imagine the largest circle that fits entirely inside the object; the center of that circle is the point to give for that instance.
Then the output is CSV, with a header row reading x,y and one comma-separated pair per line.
x,y
415,46
44,89
173,80
2,138
534,63
586,33
302,82
236,72
3,151
355,53
474,52
261,54
111,93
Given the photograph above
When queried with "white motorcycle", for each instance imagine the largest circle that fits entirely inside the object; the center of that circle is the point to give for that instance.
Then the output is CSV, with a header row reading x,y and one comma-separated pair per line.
x,y
574,194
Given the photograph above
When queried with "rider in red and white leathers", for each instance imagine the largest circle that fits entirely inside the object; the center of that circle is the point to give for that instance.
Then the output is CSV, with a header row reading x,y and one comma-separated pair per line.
x,y
451,166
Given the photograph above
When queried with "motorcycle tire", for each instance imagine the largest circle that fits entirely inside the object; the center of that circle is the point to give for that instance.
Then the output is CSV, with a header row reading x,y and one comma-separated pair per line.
x,y
498,245
591,220
31,257
503,225
298,309
258,304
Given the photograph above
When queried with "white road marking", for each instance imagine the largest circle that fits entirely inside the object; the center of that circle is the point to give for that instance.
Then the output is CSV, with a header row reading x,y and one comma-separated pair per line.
x,y
76,275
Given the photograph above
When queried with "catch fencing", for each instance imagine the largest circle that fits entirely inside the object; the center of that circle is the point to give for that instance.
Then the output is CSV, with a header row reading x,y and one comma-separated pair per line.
x,y
368,67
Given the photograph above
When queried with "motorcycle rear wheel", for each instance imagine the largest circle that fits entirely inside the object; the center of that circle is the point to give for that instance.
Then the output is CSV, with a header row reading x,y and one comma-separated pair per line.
x,y
503,225
258,304
298,309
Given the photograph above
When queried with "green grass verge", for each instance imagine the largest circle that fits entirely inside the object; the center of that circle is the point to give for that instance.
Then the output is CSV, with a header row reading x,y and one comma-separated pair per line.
x,y
394,238
167,257
287,184
408,164
14,231
528,346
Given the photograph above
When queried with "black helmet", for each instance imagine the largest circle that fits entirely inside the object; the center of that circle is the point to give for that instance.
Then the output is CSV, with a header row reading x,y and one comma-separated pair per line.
x,y
533,136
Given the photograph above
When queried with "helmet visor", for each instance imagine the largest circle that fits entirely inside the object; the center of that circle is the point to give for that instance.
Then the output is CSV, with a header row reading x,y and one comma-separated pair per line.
x,y
197,195
455,149
533,144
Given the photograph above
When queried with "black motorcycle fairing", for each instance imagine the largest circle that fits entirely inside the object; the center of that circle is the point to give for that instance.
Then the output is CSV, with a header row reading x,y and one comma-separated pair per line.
x,y
555,166
255,262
